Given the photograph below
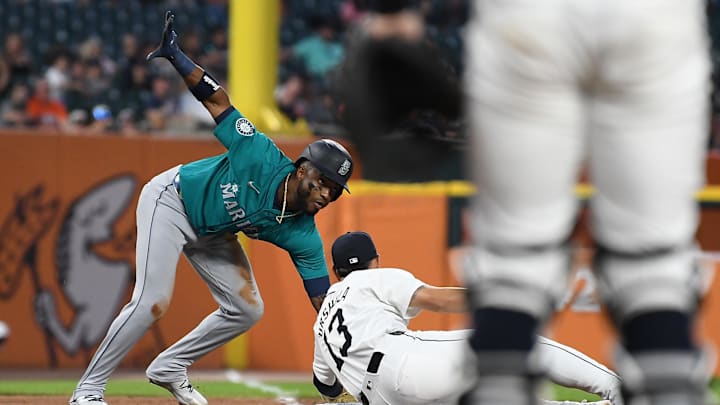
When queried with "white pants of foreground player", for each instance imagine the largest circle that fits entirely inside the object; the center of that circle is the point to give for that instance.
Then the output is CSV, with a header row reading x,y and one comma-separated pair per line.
x,y
621,86
430,368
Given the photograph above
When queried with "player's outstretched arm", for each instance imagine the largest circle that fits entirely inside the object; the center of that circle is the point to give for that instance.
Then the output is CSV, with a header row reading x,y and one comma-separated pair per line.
x,y
203,86
440,299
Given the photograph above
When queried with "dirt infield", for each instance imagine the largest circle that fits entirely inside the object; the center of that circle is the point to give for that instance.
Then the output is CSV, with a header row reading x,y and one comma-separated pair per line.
x,y
119,400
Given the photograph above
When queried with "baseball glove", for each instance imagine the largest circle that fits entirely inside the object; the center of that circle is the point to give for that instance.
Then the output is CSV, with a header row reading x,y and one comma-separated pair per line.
x,y
343,398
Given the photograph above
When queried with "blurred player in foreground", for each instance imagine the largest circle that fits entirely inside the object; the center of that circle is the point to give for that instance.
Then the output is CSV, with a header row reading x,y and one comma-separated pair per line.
x,y
622,87
363,345
197,209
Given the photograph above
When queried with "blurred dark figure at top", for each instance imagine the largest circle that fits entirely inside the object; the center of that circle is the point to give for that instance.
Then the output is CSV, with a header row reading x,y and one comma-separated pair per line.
x,y
400,100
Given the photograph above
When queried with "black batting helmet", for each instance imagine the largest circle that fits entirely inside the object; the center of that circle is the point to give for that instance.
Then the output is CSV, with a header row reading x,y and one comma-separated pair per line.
x,y
332,159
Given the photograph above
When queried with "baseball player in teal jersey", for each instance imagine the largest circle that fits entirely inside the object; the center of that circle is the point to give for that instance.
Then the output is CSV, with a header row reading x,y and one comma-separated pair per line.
x,y
197,209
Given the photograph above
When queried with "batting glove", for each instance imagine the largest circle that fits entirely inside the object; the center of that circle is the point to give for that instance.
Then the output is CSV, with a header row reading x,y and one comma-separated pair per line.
x,y
168,47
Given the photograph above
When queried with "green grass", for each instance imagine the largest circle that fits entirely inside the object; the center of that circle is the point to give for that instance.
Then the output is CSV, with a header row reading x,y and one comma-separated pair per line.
x,y
143,388
221,389
571,394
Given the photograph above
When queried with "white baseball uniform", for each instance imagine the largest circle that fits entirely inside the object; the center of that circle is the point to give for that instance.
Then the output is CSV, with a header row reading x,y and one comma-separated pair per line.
x,y
622,86
365,317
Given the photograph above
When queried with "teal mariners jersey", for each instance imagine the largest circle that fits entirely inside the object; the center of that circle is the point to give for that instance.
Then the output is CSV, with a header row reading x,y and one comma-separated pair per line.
x,y
234,192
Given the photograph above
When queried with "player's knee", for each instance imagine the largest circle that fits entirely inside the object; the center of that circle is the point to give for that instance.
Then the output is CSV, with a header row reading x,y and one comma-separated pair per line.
x,y
528,280
661,280
254,313
245,316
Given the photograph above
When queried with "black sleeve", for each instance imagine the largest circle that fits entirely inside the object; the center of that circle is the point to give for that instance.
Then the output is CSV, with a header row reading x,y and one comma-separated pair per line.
x,y
224,114
316,287
331,391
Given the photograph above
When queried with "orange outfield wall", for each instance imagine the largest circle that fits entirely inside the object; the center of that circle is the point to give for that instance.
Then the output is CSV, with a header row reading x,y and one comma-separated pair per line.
x,y
67,243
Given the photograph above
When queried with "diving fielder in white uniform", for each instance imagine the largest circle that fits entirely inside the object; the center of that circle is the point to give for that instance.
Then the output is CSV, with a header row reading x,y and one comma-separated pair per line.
x,y
362,342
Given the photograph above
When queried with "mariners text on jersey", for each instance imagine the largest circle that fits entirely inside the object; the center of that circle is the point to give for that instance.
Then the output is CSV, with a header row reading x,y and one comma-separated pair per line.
x,y
232,207
331,300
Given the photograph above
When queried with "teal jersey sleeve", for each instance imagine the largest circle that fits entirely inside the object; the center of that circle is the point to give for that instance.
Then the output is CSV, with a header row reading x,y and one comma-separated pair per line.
x,y
234,129
305,247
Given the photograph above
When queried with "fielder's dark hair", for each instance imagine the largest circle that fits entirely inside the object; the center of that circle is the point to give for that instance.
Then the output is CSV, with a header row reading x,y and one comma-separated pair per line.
x,y
345,270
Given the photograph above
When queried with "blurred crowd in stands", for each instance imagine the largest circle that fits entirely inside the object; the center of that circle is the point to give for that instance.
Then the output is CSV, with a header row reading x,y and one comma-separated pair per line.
x,y
78,65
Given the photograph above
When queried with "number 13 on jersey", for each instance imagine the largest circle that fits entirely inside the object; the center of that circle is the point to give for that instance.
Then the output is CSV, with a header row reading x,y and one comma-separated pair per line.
x,y
342,330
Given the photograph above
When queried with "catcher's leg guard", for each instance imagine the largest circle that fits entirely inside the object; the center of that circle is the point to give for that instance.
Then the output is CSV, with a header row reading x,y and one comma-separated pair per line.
x,y
664,279
666,377
651,291
511,292
652,298
517,278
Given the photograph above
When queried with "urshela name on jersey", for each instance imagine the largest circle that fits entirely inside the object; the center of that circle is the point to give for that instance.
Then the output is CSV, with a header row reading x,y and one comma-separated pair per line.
x,y
331,302
233,209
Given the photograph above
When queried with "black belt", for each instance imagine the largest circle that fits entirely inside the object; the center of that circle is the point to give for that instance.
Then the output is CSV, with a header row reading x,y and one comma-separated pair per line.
x,y
375,360
372,368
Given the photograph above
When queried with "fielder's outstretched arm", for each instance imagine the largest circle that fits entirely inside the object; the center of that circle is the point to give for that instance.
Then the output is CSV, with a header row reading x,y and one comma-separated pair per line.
x,y
440,299
203,86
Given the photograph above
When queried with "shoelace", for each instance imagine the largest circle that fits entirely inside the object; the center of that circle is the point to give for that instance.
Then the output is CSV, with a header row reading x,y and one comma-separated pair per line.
x,y
95,398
